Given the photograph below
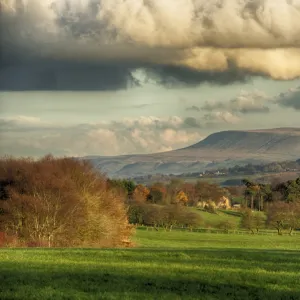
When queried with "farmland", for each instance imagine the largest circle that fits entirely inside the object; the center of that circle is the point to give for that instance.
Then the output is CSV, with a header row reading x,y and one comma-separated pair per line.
x,y
163,265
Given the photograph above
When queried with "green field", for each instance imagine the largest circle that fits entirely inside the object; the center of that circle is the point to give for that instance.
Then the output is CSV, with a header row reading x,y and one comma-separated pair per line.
x,y
164,265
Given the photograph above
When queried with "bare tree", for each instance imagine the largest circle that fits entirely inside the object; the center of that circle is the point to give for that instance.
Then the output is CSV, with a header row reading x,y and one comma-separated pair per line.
x,y
283,215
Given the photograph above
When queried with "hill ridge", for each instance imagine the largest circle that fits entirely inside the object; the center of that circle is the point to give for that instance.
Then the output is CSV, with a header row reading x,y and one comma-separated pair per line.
x,y
220,149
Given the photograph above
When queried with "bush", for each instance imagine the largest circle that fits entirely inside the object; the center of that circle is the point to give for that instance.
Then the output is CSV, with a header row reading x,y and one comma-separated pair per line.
x,y
193,220
210,206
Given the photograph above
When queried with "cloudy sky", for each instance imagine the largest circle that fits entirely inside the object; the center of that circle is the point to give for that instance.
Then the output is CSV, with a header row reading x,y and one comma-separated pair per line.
x,y
116,77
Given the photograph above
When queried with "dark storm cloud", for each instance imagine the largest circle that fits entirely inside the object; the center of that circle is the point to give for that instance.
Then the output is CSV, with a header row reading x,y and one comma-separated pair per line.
x,y
76,76
97,45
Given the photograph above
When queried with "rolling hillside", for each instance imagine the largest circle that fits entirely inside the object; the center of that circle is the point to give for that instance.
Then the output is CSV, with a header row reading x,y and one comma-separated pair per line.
x,y
221,149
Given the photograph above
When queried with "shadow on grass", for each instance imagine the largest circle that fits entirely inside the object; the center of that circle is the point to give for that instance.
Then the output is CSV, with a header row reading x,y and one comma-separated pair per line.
x,y
70,285
140,279
231,213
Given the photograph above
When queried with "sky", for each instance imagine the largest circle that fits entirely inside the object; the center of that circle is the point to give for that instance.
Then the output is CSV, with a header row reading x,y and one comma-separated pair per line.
x,y
118,77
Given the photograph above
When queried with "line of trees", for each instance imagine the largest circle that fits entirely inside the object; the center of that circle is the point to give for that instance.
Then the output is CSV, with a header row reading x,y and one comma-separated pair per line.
x,y
262,205
165,205
165,216
175,191
249,169
280,216
279,201
256,195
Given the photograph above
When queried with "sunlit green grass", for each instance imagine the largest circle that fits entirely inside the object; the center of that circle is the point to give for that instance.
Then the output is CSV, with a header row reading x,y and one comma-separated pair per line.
x,y
165,265
192,240
213,219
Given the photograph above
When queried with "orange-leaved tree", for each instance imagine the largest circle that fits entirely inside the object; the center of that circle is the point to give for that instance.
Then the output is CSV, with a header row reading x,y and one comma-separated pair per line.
x,y
141,193
182,198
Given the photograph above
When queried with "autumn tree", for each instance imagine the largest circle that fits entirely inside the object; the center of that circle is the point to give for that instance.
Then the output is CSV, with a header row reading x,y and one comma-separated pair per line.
x,y
181,198
157,193
173,188
141,193
190,191
210,206
208,191
60,202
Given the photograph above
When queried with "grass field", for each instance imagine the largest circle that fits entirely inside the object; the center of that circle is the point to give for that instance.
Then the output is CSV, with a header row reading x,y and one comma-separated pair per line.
x,y
164,265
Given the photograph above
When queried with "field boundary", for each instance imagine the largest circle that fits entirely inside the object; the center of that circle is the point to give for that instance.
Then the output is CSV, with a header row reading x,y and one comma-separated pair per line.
x,y
217,231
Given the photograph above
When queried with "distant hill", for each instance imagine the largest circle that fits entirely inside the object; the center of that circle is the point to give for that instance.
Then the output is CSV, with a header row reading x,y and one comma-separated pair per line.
x,y
221,149
273,141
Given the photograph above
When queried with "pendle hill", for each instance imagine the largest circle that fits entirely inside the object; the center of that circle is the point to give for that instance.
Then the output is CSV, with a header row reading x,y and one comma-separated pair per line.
x,y
218,150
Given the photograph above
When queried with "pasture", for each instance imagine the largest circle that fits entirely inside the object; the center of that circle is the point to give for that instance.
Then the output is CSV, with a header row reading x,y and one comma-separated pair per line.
x,y
164,265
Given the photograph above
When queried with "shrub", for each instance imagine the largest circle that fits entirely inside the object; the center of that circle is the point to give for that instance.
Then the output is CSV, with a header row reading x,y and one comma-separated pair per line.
x,y
192,220
226,225
210,206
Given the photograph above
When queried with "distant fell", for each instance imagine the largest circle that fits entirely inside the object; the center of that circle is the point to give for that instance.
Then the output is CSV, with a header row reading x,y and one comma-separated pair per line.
x,y
218,150
277,142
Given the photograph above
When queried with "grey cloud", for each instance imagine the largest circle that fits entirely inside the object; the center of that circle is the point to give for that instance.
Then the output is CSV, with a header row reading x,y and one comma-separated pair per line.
x,y
290,99
180,76
193,122
97,45
244,103
193,108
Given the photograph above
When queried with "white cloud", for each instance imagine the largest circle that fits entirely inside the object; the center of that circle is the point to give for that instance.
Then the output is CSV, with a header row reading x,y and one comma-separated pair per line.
x,y
22,120
141,135
218,117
